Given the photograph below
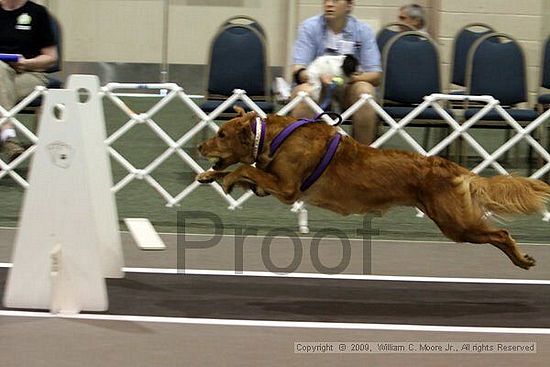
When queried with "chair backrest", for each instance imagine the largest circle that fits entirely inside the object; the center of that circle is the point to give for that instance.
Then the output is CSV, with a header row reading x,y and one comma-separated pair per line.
x,y
56,28
388,31
545,65
244,20
411,68
496,67
462,43
238,59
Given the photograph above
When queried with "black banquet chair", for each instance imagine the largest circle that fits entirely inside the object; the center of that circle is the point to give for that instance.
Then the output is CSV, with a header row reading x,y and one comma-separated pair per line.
x,y
543,99
389,31
496,67
238,60
411,72
462,43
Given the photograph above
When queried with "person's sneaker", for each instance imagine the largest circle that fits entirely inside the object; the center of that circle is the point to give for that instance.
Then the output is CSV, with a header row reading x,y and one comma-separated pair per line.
x,y
12,149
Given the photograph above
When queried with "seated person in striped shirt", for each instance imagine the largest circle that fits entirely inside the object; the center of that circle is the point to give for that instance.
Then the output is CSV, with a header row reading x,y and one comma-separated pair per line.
x,y
336,32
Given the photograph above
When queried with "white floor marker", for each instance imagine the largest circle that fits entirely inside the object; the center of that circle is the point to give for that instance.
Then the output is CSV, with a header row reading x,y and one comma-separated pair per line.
x,y
144,234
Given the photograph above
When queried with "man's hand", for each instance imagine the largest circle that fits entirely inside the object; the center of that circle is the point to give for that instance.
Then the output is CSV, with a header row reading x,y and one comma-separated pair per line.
x,y
42,62
355,77
20,65
326,79
372,77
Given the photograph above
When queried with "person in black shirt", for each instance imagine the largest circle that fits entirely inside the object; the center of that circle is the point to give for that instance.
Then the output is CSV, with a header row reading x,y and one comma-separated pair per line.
x,y
25,30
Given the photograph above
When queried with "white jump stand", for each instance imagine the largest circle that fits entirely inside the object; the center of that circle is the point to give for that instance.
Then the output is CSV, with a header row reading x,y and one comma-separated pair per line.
x,y
68,239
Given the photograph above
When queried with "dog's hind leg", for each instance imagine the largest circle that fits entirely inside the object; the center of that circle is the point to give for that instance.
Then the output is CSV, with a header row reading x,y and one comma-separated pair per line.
x,y
462,222
500,238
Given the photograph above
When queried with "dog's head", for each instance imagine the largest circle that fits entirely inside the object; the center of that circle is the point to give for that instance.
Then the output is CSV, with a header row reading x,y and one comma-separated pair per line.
x,y
350,65
233,143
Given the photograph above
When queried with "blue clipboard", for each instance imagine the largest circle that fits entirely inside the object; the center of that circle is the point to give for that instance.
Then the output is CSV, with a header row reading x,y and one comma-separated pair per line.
x,y
10,57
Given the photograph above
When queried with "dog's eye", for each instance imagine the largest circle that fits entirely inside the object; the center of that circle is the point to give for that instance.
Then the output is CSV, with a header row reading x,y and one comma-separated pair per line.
x,y
221,135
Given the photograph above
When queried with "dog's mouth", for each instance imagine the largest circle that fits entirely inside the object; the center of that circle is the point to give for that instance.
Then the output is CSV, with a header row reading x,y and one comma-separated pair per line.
x,y
217,163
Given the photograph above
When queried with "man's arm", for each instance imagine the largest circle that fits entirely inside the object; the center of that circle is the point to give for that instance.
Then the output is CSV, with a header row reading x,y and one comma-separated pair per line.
x,y
47,58
372,77
369,58
303,52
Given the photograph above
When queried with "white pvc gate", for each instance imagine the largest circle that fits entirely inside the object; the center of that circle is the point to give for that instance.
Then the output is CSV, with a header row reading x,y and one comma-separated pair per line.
x,y
172,92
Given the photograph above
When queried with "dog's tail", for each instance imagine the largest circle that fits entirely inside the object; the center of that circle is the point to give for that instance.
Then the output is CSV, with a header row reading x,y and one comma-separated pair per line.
x,y
510,195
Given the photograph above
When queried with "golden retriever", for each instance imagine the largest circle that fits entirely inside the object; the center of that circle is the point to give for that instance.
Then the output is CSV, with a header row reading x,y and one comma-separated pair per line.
x,y
361,179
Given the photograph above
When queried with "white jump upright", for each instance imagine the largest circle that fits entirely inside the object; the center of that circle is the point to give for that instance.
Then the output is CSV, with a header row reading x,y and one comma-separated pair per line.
x,y
92,119
62,253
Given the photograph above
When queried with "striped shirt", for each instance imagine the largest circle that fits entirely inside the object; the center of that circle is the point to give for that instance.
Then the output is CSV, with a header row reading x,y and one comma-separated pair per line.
x,y
313,41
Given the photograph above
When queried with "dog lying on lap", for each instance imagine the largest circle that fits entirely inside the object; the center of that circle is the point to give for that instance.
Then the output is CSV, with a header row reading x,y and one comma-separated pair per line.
x,y
336,66
359,179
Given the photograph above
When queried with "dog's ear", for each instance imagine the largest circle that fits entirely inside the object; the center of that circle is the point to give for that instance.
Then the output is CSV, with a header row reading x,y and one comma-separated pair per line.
x,y
350,65
240,111
247,128
251,116
249,119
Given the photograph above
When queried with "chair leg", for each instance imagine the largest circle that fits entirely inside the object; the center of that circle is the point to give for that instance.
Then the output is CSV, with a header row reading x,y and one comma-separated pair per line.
x,y
506,138
516,154
443,133
544,130
546,142
426,139
530,165
461,152
37,116
542,138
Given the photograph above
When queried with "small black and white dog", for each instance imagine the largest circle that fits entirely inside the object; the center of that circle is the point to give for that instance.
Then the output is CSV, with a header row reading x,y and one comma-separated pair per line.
x,y
338,66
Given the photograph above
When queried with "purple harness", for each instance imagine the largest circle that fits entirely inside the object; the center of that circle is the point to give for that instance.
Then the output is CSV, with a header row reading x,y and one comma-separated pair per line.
x,y
281,137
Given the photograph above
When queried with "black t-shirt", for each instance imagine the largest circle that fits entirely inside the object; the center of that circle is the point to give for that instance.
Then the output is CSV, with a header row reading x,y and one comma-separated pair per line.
x,y
26,30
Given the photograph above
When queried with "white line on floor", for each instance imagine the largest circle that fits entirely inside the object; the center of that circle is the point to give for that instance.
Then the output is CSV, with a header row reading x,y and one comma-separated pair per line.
x,y
279,324
390,278
338,276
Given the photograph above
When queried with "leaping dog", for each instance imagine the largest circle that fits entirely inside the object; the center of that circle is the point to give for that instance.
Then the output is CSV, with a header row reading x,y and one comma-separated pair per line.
x,y
310,161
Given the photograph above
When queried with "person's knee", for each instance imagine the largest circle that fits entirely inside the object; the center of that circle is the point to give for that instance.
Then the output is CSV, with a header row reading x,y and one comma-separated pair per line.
x,y
302,109
359,88
304,87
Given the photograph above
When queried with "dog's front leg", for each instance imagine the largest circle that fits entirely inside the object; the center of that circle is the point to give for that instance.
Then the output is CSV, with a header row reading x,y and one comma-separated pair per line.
x,y
265,182
211,176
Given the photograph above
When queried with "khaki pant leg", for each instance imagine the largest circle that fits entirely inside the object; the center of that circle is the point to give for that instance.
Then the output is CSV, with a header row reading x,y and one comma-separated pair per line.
x,y
26,82
8,95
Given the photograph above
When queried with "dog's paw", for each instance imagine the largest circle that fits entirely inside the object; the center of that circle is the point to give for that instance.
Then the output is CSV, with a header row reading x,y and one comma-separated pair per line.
x,y
258,191
207,177
524,262
528,261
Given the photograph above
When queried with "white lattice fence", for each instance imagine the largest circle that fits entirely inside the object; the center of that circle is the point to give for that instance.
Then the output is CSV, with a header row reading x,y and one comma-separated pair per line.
x,y
173,92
